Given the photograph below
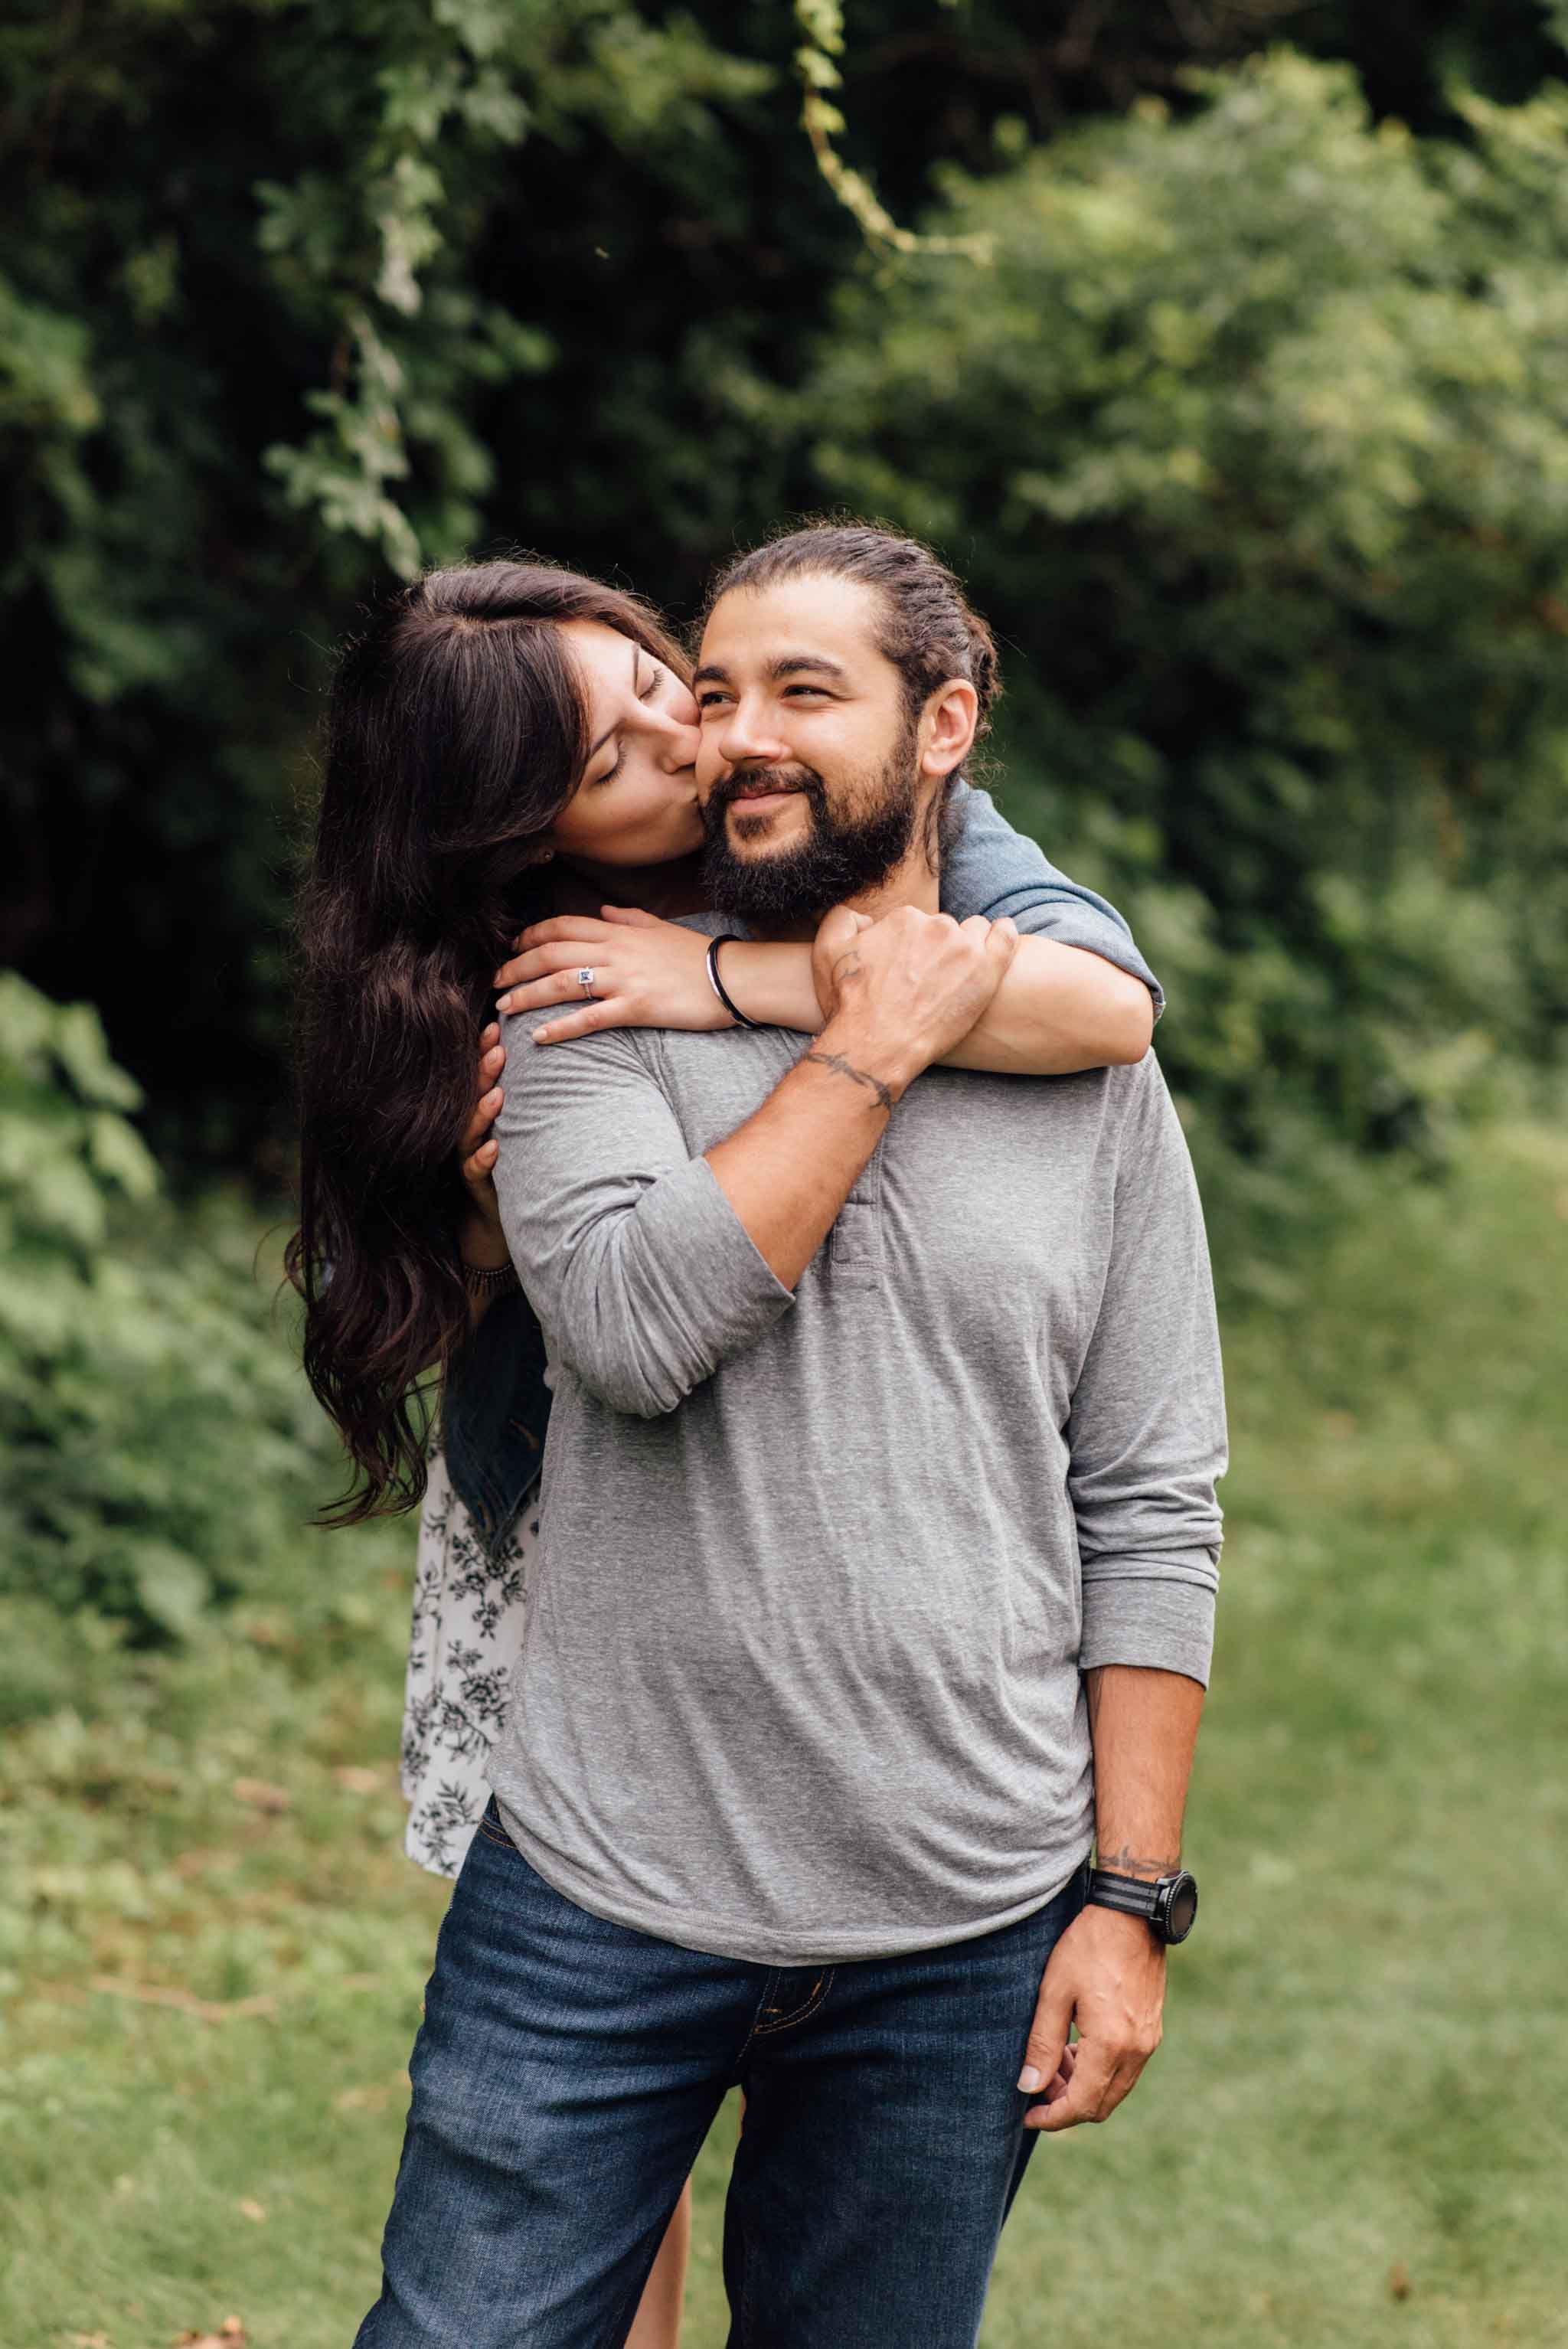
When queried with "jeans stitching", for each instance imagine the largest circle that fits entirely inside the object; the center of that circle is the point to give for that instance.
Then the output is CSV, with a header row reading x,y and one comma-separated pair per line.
x,y
818,1991
491,1835
741,2053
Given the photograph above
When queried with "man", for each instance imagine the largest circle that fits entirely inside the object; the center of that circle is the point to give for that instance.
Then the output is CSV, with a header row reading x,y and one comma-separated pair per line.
x,y
878,1575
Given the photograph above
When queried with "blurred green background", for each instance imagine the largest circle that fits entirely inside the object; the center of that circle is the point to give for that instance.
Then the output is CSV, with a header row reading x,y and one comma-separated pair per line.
x,y
1250,434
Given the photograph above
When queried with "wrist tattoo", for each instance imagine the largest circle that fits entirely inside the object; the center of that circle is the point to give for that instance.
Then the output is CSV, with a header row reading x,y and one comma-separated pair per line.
x,y
837,1062
1128,1862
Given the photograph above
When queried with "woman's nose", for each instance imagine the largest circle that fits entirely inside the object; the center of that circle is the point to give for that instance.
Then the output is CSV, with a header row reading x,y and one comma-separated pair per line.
x,y
678,738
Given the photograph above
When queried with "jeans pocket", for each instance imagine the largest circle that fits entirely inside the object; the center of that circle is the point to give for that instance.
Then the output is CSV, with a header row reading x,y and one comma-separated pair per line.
x,y
490,1827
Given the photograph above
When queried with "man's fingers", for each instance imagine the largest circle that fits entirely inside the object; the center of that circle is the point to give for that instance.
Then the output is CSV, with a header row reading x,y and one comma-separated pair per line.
x,y
839,927
1095,2085
1002,941
1092,2094
1057,2084
636,917
1047,2034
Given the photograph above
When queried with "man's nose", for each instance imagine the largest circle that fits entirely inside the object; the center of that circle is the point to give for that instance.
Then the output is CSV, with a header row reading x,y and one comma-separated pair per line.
x,y
746,738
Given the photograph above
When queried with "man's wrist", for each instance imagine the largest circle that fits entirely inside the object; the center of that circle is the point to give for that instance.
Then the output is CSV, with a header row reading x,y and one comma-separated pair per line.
x,y
1127,1859
884,1064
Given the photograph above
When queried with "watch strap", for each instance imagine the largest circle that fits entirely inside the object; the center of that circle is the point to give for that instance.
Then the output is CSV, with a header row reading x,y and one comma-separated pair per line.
x,y
1131,1894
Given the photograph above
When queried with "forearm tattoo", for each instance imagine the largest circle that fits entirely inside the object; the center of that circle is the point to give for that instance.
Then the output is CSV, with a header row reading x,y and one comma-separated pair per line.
x,y
836,1060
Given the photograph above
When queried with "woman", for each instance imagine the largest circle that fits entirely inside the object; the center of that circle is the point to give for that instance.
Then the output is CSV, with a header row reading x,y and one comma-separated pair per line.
x,y
495,757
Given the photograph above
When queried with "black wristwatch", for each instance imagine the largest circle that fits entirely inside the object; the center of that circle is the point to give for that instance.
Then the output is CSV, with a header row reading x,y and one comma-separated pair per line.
x,y
1168,1907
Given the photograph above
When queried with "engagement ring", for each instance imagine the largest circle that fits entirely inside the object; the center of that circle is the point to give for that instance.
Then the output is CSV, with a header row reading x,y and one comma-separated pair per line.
x,y
585,981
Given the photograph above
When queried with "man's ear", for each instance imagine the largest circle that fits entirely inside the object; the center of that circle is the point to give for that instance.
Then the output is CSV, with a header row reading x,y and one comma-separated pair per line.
x,y
947,726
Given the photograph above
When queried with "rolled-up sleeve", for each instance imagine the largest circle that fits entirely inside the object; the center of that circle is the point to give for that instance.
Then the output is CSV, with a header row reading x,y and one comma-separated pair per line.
x,y
1147,1427
989,868
642,1275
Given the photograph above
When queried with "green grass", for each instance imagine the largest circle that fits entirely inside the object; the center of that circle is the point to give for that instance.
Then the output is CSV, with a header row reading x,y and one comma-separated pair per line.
x,y
1355,2132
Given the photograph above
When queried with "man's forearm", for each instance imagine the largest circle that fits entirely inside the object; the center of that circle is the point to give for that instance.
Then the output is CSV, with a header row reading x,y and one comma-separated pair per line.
x,y
789,1168
1144,1728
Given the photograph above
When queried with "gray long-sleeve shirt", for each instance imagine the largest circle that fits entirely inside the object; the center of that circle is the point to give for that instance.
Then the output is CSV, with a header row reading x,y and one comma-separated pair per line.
x,y
819,1574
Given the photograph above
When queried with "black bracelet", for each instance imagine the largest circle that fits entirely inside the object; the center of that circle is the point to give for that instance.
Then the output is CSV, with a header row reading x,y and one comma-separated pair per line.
x,y
714,981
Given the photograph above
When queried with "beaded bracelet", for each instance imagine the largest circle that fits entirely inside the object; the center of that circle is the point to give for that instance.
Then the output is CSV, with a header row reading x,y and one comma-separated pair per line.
x,y
490,1280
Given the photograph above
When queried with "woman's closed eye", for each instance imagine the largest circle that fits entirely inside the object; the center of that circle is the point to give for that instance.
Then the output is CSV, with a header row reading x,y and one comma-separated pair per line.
x,y
647,690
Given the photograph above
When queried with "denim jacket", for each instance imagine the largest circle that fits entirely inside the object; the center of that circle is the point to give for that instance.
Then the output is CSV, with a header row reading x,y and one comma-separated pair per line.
x,y
496,1407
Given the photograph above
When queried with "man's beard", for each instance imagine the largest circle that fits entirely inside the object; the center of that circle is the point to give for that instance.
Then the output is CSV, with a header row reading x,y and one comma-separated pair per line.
x,y
842,856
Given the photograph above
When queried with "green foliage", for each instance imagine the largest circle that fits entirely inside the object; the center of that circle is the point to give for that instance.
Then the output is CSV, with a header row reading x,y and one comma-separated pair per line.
x,y
1255,442
1252,438
158,1448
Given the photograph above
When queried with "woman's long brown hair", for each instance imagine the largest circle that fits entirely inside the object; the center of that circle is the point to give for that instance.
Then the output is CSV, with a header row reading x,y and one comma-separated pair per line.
x,y
457,731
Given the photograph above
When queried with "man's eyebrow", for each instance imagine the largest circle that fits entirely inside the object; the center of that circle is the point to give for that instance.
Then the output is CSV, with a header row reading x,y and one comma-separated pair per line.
x,y
785,665
604,738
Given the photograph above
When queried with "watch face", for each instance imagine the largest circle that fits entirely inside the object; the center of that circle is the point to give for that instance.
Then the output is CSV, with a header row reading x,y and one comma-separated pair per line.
x,y
1181,1908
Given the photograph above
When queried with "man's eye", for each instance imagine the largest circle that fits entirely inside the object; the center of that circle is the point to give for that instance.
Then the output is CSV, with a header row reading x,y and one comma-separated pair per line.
x,y
706,701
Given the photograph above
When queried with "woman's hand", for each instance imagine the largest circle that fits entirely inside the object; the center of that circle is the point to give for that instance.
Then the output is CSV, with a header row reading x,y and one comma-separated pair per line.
x,y
646,974
483,1243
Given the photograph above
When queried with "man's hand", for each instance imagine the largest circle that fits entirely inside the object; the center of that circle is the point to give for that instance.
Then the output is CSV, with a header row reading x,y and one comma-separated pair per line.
x,y
903,990
1107,1974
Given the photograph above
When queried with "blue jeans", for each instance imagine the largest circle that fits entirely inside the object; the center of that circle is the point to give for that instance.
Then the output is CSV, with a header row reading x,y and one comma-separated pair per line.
x,y
569,2069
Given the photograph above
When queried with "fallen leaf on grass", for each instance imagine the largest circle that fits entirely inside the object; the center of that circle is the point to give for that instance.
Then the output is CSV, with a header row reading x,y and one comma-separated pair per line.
x,y
371,2099
187,1864
256,2211
206,2010
90,2341
1399,2280
260,1795
361,2100
230,2334
357,1778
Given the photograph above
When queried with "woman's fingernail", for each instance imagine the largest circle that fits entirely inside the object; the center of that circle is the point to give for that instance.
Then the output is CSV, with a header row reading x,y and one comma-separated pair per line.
x,y
541,1035
1028,2080
503,1003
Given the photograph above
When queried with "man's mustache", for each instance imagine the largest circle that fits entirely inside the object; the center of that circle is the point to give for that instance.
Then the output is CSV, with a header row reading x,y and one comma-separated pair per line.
x,y
804,779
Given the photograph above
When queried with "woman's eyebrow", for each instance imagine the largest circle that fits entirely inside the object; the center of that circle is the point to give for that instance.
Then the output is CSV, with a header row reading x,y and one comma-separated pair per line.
x,y
604,738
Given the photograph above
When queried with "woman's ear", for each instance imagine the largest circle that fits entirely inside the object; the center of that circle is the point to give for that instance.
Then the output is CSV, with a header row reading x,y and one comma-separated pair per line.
x,y
947,726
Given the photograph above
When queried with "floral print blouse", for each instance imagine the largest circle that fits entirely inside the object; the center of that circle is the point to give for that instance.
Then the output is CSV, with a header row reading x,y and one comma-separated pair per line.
x,y
469,1615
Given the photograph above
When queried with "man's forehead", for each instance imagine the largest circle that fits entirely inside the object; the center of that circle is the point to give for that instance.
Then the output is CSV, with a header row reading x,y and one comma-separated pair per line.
x,y
813,613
